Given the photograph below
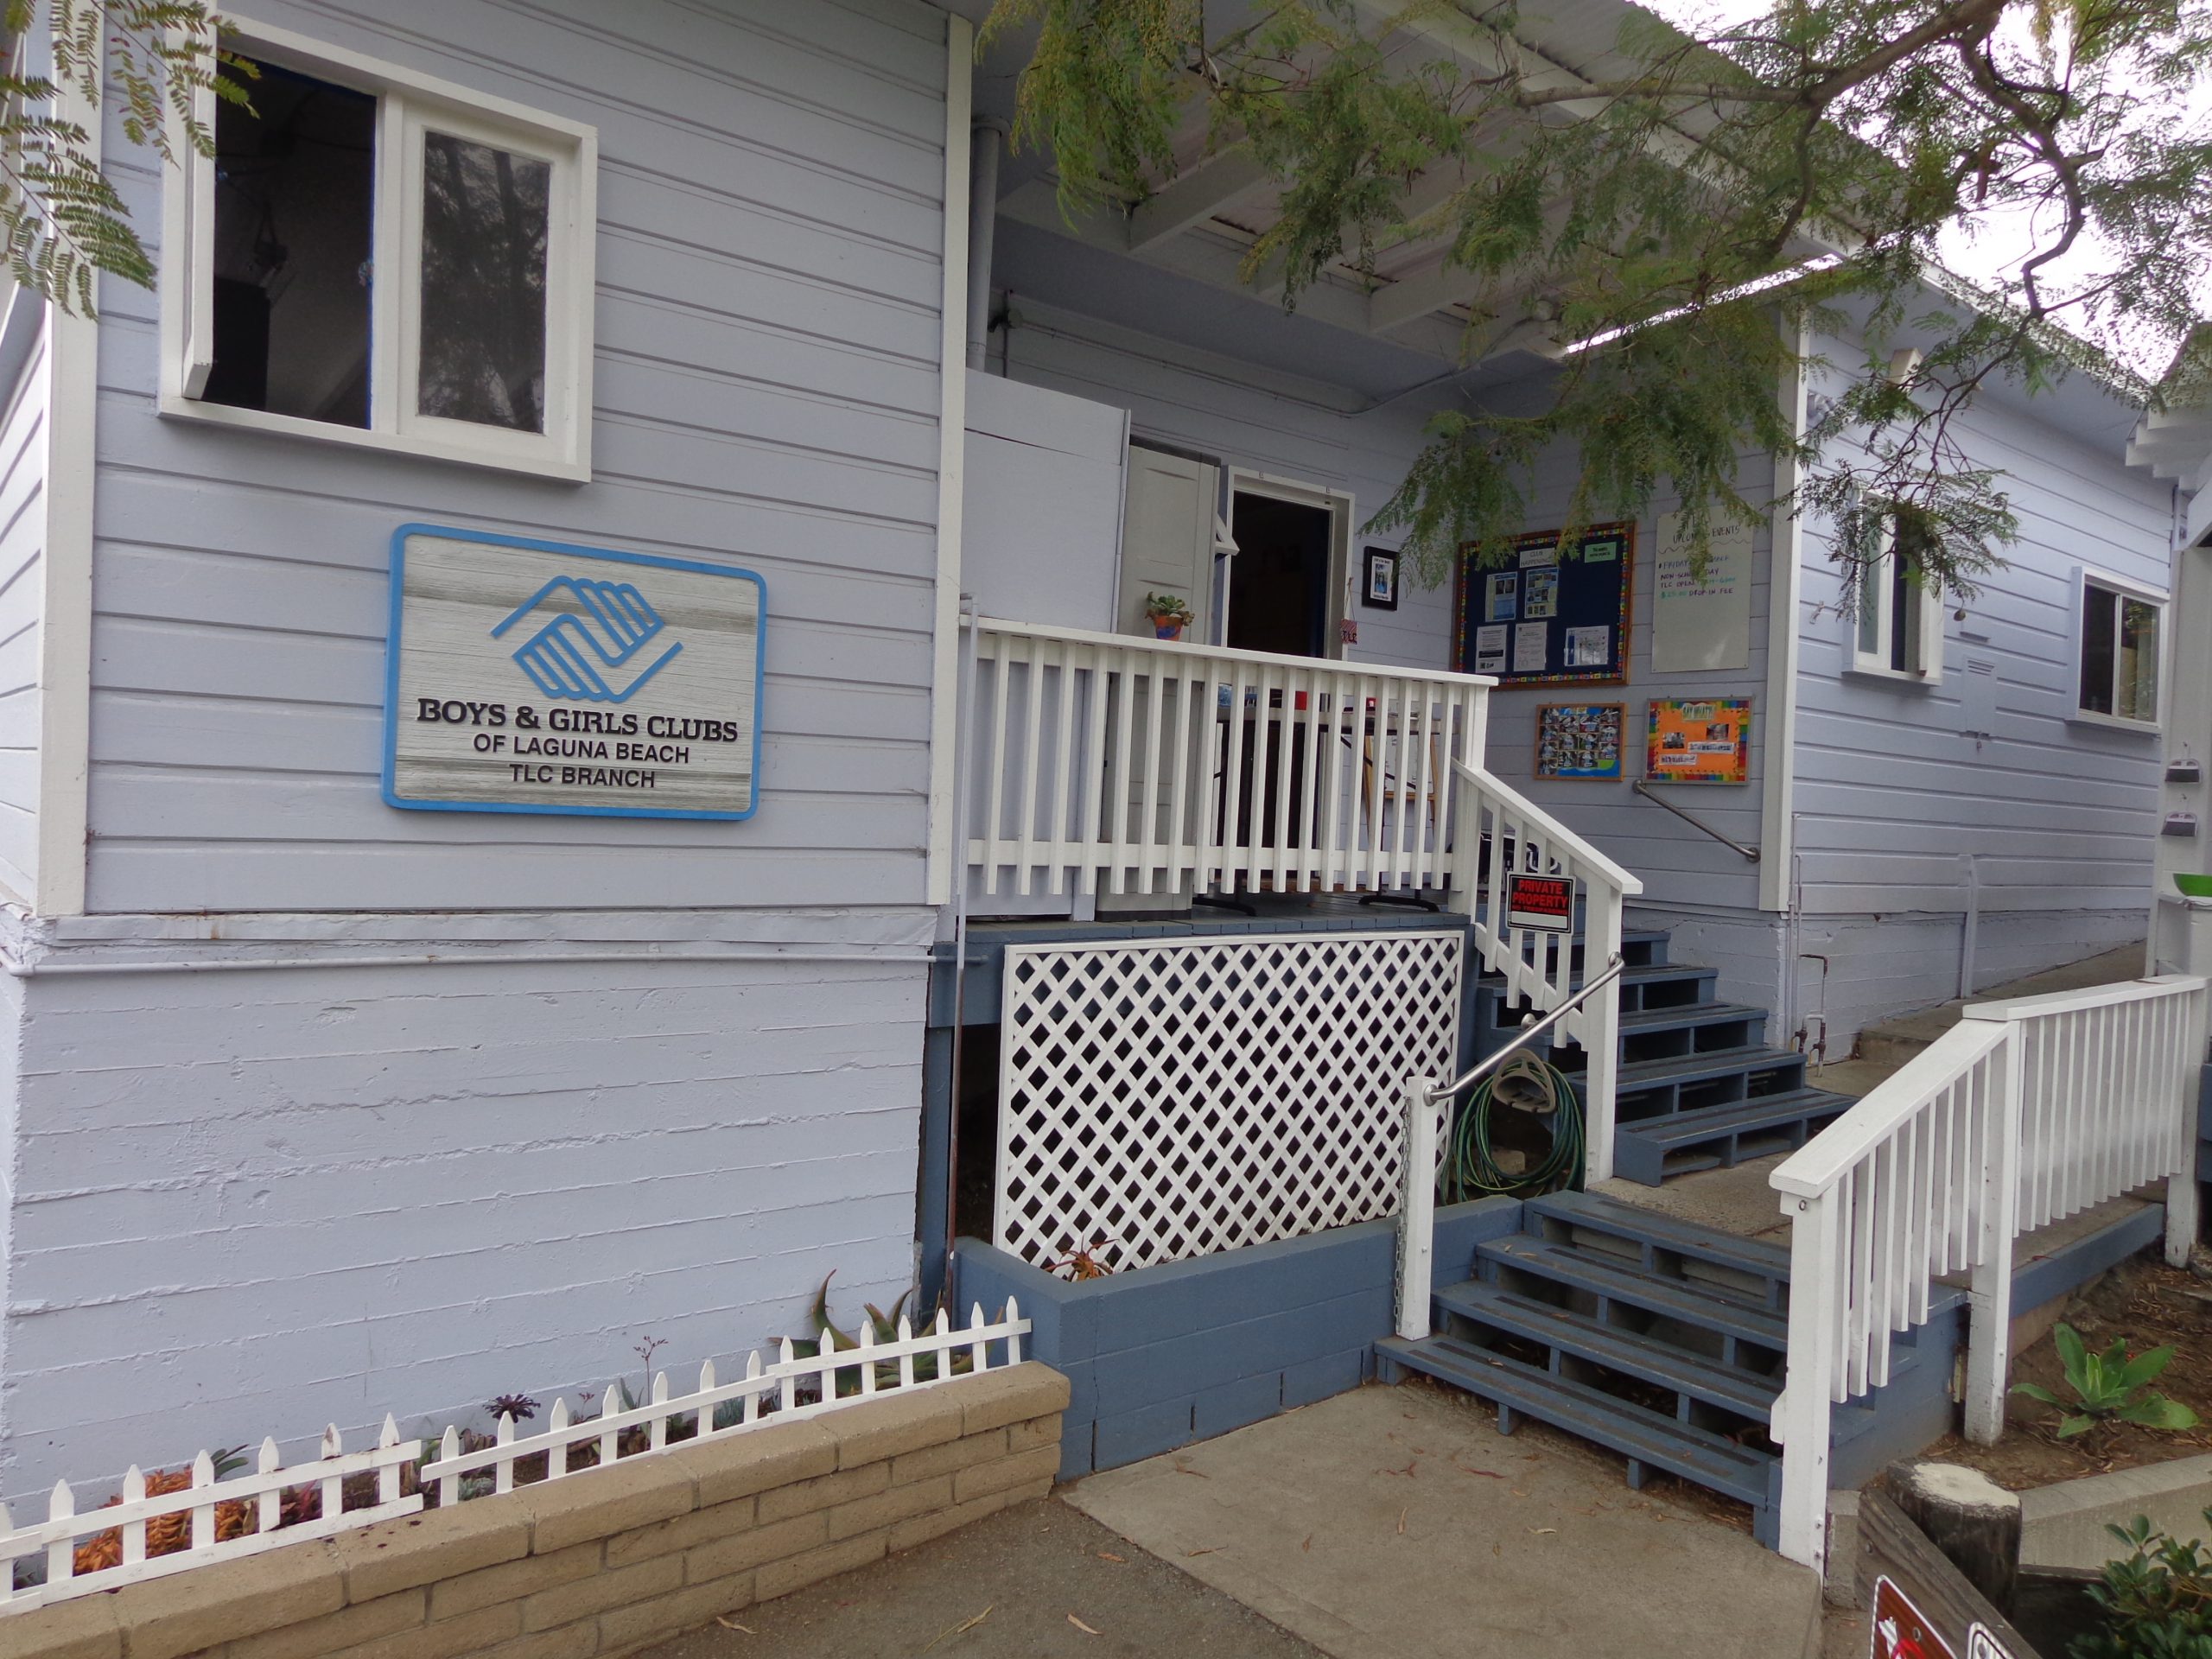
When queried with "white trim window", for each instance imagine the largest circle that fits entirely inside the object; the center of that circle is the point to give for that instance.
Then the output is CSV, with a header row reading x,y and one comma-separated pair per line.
x,y
2117,629
1897,629
277,312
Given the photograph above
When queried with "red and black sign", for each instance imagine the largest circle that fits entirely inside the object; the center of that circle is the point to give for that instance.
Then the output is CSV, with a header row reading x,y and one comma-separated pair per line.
x,y
1543,903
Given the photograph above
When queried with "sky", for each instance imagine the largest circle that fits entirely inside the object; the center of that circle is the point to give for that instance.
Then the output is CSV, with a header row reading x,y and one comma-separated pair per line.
x,y
1990,252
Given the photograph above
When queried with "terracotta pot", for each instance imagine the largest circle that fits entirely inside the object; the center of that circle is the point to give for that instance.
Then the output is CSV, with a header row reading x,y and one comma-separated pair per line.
x,y
1168,627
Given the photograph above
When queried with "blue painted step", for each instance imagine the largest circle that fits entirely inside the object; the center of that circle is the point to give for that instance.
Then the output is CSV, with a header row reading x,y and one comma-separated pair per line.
x,y
1651,1149
1704,1457
1517,1262
1659,1242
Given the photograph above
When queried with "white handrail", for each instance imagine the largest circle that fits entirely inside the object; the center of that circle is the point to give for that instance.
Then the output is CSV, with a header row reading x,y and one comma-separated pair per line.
x,y
1538,965
2028,1110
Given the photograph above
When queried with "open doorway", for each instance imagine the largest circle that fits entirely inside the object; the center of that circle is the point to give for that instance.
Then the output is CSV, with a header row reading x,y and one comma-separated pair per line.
x,y
1283,579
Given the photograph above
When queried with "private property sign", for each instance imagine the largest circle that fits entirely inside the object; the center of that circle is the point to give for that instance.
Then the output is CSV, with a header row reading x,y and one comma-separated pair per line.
x,y
534,677
1543,903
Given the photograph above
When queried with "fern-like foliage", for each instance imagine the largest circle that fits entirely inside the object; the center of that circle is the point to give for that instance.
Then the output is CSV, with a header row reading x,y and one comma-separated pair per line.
x,y
71,62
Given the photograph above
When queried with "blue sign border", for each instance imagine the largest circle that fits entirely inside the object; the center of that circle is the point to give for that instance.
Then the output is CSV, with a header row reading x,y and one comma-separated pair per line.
x,y
452,532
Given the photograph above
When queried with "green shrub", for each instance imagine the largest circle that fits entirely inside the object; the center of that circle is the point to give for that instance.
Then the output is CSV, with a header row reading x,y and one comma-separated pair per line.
x,y
2157,1598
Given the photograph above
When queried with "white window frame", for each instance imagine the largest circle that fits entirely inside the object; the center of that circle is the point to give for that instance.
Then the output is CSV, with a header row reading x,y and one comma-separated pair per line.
x,y
2085,577
1927,655
408,104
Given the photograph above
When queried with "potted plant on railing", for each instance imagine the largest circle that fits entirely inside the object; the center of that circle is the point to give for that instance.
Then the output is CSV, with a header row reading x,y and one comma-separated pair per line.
x,y
1169,615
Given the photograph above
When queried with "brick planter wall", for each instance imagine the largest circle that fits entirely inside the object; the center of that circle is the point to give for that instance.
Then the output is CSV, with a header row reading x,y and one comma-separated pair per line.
x,y
604,1560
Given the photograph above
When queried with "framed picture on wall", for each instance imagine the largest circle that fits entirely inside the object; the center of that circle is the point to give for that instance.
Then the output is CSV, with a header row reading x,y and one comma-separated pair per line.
x,y
1580,739
1381,592
1698,740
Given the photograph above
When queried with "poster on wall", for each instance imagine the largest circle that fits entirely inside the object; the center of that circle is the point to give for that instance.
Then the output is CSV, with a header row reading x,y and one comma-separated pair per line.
x,y
1701,620
1580,739
1565,619
524,675
1698,740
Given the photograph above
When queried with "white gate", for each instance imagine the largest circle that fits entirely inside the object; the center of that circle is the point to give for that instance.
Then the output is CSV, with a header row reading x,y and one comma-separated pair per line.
x,y
1174,1098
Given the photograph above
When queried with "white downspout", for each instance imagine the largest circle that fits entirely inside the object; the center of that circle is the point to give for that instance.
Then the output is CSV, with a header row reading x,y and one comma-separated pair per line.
x,y
987,141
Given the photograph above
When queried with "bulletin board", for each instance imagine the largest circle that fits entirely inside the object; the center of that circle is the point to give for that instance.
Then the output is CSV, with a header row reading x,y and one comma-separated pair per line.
x,y
1544,619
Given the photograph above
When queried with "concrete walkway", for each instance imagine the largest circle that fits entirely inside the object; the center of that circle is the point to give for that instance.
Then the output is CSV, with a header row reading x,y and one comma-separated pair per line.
x,y
1399,1522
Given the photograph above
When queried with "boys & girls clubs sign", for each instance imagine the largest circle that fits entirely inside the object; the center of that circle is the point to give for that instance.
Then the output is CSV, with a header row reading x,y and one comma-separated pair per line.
x,y
536,676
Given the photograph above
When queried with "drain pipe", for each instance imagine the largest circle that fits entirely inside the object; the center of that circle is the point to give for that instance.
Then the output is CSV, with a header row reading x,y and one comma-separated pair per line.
x,y
989,142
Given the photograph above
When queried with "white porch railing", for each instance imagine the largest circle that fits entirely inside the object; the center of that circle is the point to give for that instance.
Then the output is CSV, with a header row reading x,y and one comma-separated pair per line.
x,y
1538,965
2026,1112
1142,766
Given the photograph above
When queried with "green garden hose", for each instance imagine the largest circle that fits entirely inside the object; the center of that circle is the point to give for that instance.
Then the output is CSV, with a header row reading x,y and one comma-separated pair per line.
x,y
1522,1083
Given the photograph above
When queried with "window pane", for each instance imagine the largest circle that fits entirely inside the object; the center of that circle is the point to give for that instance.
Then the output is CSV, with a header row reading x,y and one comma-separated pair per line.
x,y
294,195
1870,606
2138,689
2100,619
1904,615
484,232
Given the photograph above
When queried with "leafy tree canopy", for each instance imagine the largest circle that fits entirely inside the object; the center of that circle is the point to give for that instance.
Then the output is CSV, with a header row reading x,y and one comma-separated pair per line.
x,y
1811,159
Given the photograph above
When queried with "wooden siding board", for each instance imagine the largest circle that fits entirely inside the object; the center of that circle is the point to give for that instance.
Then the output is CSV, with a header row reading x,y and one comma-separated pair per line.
x,y
767,336
1892,792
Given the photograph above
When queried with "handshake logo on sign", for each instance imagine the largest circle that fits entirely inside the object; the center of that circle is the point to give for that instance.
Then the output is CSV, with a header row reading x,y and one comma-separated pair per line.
x,y
589,650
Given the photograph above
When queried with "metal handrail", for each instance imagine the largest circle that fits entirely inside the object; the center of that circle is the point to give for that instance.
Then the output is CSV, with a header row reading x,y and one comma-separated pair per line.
x,y
1489,1063
1643,788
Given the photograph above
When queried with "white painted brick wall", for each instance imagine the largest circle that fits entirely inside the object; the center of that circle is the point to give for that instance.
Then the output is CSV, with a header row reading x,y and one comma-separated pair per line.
x,y
254,1203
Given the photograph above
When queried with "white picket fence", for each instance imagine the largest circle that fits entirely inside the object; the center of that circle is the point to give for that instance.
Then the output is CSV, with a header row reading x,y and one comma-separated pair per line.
x,y
1537,965
250,1506
2026,1112
1145,765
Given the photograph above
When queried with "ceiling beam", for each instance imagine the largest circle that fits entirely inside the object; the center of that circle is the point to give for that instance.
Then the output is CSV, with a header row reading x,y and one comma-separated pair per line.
x,y
1194,196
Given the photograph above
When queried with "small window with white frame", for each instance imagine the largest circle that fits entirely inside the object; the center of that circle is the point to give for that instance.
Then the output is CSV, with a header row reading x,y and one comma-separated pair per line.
x,y
2118,624
377,257
1899,621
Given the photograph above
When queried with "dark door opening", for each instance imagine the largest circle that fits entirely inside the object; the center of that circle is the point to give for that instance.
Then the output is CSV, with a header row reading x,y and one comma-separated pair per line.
x,y
1279,581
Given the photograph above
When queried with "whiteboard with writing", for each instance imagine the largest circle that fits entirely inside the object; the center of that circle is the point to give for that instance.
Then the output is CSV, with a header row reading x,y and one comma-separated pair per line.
x,y
1701,623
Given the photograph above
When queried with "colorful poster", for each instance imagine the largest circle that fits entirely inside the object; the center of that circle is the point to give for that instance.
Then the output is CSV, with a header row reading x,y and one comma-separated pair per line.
x,y
1531,647
1580,739
1540,594
1698,740
1489,650
1504,597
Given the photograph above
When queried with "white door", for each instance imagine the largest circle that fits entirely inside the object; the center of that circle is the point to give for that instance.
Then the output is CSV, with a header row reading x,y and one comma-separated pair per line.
x,y
1167,521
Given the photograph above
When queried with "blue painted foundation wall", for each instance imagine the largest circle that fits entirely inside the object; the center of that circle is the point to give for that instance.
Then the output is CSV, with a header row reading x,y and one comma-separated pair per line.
x,y
1166,1356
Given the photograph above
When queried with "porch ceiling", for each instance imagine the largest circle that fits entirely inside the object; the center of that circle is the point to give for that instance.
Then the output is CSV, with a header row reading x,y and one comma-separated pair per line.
x,y
1171,264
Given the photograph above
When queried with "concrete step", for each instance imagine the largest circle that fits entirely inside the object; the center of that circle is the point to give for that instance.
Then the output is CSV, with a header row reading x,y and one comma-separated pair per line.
x,y
1651,1150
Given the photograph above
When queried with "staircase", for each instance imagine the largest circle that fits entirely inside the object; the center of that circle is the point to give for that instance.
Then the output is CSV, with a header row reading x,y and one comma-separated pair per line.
x,y
1699,1088
1652,1336
1662,1340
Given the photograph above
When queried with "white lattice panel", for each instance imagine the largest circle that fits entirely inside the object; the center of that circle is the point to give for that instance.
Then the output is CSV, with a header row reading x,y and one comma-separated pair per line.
x,y
1177,1098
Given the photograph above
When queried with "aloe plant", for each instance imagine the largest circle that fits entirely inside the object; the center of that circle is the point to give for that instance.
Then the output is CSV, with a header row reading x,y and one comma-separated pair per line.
x,y
2109,1386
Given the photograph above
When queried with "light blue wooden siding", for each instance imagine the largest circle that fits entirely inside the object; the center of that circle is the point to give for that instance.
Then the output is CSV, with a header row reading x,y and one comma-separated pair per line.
x,y
1679,865
1891,792
1269,423
766,328
23,582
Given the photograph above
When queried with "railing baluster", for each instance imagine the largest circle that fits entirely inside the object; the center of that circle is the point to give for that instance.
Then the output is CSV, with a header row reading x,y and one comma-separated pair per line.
x,y
1032,714
994,823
